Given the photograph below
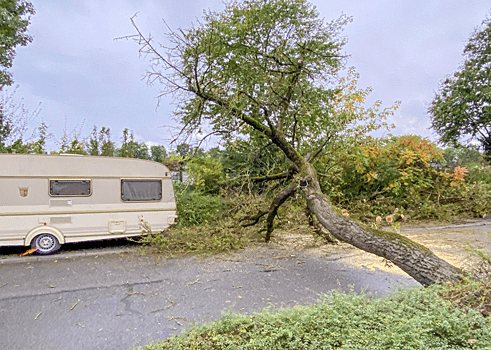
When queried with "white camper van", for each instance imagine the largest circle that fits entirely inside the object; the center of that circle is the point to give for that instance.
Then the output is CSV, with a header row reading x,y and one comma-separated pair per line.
x,y
49,200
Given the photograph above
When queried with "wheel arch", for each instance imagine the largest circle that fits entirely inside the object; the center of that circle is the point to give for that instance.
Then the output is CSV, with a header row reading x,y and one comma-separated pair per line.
x,y
44,229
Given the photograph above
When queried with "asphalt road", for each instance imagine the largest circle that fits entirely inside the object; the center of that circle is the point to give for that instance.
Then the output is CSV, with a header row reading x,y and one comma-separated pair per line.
x,y
108,299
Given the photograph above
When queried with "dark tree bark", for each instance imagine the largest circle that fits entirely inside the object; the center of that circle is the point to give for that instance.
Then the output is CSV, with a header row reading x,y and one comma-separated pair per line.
x,y
254,219
414,259
275,205
318,228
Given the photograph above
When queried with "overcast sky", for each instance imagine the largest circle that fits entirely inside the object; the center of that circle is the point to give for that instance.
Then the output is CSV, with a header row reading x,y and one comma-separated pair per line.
x,y
75,68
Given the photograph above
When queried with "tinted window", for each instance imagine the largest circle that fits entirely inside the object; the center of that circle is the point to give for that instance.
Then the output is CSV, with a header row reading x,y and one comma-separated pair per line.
x,y
141,190
69,187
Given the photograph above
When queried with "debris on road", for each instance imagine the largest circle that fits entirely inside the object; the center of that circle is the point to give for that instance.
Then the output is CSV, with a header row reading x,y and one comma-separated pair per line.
x,y
73,306
197,281
133,293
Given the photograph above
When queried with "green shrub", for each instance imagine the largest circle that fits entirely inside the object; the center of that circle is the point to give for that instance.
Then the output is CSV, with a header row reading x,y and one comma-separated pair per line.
x,y
205,174
197,208
410,319
200,240
471,292
412,174
207,225
480,174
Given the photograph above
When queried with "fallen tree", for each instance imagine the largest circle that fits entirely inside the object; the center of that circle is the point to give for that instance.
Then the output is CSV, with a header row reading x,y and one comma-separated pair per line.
x,y
267,68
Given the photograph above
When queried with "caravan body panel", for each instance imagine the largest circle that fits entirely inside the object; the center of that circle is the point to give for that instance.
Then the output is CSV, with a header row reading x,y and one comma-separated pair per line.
x,y
82,198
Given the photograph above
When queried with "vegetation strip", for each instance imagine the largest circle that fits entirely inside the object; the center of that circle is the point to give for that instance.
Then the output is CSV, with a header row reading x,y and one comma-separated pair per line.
x,y
409,319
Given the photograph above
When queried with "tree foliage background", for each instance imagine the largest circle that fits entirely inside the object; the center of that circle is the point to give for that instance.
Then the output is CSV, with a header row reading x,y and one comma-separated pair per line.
x,y
15,16
461,109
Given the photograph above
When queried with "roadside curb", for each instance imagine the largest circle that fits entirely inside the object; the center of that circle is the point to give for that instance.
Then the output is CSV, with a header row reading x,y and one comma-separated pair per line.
x,y
65,255
446,227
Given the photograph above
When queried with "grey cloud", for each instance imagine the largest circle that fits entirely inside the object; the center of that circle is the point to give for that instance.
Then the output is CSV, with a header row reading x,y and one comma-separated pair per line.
x,y
77,70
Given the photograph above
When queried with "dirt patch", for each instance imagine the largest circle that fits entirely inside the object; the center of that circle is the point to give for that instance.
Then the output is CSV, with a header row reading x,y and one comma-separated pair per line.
x,y
452,244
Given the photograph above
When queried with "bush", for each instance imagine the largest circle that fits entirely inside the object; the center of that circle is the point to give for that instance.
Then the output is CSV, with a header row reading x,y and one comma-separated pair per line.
x,y
207,225
199,240
197,208
205,174
480,174
410,319
412,175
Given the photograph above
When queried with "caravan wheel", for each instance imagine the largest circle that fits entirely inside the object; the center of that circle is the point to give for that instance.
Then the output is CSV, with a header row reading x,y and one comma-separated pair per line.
x,y
46,244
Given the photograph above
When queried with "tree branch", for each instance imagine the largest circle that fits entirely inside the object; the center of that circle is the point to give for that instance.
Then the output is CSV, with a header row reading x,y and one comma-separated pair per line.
x,y
271,177
275,205
319,151
271,132
287,100
254,219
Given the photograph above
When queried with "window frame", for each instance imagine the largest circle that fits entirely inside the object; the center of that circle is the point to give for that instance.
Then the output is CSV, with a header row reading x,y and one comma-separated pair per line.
x,y
157,179
68,180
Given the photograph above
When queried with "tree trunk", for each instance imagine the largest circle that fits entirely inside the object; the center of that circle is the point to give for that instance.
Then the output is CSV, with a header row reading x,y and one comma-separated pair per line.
x,y
416,260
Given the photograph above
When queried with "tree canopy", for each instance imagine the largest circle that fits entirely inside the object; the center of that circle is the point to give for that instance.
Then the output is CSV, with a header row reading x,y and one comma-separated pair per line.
x,y
268,69
15,16
462,106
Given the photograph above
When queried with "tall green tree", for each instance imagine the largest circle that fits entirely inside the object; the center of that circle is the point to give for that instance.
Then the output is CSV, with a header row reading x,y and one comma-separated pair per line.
x,y
15,16
159,154
72,142
268,67
184,150
462,106
4,131
130,148
100,143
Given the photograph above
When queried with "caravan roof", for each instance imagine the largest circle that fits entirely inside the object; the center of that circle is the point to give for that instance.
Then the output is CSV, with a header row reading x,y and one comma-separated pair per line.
x,y
41,165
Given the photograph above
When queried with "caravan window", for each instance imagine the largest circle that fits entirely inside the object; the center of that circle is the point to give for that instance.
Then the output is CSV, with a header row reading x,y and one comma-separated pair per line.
x,y
69,187
133,190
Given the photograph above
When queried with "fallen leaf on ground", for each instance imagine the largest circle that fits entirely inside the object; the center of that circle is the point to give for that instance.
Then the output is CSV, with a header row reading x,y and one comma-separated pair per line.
x,y
190,283
133,293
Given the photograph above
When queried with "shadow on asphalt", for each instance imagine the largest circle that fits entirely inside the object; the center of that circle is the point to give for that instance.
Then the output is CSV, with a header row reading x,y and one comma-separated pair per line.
x,y
75,247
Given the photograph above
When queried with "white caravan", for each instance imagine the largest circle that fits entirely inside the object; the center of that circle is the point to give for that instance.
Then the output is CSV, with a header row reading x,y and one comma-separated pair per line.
x,y
49,200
